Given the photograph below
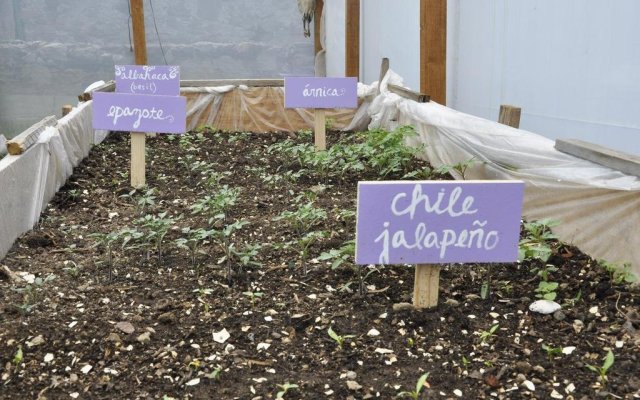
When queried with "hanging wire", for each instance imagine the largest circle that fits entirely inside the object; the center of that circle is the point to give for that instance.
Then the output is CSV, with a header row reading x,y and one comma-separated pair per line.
x,y
153,14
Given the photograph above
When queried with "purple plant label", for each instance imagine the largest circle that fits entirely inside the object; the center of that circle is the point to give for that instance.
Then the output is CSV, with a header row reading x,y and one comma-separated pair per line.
x,y
436,222
148,79
139,112
312,92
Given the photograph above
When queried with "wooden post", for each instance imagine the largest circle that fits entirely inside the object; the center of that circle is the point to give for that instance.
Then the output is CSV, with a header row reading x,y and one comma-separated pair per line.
x,y
317,18
352,39
425,286
320,129
510,115
138,162
433,49
384,67
66,109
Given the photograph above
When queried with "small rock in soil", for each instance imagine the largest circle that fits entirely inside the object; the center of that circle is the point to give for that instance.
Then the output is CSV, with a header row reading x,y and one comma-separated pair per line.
x,y
125,327
36,341
168,318
144,337
523,366
353,385
559,315
114,337
398,307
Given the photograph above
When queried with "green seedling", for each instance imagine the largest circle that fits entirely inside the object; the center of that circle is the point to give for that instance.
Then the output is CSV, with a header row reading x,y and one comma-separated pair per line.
x,y
344,254
618,274
552,351
253,296
106,241
602,371
486,335
303,219
193,240
284,389
17,358
155,228
215,374
31,292
339,339
537,239
547,290
459,169
422,383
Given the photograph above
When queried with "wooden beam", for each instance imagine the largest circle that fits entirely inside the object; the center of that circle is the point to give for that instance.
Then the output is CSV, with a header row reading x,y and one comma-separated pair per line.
x,y
510,115
408,94
623,162
234,82
352,39
317,18
139,36
138,142
66,109
29,137
384,67
433,49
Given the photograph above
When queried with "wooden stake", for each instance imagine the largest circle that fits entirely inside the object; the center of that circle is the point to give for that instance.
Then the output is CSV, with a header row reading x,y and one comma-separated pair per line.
x,y
510,115
66,109
138,162
352,39
384,67
320,129
433,49
138,145
425,286
317,18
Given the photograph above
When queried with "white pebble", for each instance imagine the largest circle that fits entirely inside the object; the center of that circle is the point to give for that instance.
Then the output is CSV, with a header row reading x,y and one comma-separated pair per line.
x,y
48,358
458,392
373,332
85,370
193,382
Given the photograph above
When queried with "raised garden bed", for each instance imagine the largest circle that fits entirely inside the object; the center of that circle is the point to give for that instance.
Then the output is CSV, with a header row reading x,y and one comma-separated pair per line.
x,y
238,299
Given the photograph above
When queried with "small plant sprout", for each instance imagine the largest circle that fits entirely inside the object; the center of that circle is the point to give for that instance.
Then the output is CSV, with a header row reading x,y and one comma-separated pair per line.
x,y
618,274
552,351
486,335
422,383
31,292
284,389
339,339
17,358
602,371
253,296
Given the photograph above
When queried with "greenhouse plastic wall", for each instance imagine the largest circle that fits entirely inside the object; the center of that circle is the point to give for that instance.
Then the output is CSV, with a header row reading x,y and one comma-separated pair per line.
x,y
50,51
572,66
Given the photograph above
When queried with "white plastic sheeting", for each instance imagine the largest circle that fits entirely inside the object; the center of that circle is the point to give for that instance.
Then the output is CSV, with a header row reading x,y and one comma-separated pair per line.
x,y
28,181
599,208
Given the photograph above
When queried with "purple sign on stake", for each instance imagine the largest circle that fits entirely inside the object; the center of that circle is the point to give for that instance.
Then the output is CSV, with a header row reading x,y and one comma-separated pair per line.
x,y
139,112
148,79
435,222
312,92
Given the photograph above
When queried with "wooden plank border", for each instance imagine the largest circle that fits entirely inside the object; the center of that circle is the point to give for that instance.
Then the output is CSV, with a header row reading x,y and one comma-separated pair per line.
x,y
623,162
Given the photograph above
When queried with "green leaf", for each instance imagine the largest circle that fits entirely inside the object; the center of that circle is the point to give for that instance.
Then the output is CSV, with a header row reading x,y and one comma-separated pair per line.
x,y
333,335
17,358
608,361
421,381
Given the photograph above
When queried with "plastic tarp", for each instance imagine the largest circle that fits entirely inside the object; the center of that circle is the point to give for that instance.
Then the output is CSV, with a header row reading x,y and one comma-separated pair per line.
x,y
598,207
261,109
29,181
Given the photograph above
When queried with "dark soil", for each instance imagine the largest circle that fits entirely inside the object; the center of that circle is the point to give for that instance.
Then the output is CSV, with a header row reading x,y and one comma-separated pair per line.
x,y
147,329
